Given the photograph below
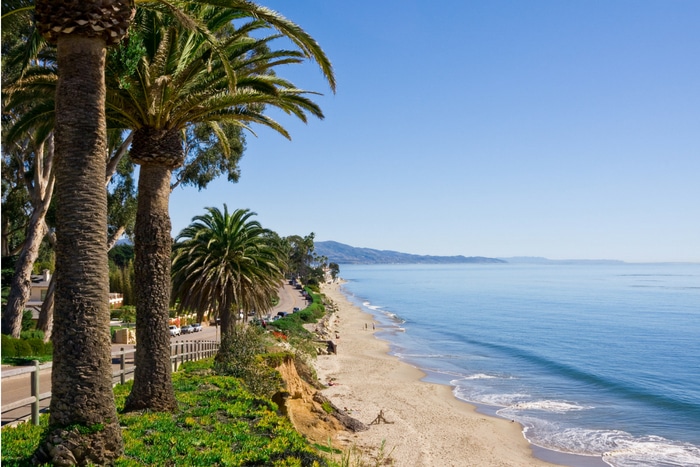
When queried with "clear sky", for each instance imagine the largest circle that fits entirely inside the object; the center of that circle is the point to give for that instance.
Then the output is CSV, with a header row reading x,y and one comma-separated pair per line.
x,y
556,128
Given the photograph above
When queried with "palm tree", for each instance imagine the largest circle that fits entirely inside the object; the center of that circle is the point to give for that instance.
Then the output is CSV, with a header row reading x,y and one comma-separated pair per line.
x,y
187,78
82,373
226,262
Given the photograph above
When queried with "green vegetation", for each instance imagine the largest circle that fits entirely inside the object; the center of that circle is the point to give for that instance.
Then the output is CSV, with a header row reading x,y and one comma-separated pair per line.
x,y
225,262
225,414
22,351
292,324
126,313
219,422
242,355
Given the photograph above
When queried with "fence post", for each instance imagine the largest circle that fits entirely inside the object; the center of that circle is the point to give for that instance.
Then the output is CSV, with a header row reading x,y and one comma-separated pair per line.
x,y
122,366
35,392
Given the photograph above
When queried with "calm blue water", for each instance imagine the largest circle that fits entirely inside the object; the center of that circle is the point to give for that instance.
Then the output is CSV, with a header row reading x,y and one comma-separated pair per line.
x,y
591,359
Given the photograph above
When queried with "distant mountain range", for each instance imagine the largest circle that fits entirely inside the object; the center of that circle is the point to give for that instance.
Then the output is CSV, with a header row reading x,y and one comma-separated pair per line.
x,y
346,254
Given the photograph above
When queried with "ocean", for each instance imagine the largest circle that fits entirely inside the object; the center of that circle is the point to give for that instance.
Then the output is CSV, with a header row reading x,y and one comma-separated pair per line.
x,y
592,359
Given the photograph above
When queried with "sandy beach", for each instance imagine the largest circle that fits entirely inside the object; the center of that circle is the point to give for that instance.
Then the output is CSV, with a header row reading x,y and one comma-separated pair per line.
x,y
423,424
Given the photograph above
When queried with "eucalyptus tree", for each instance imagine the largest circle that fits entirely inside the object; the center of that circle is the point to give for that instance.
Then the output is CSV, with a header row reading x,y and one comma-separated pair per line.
x,y
186,81
15,208
37,163
28,121
301,255
28,155
224,263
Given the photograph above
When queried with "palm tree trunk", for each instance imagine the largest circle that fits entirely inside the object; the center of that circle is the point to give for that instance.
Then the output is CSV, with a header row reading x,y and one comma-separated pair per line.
x,y
83,425
153,387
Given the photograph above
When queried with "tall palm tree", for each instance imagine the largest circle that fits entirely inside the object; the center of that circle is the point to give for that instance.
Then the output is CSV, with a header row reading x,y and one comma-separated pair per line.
x,y
225,262
184,78
154,121
81,377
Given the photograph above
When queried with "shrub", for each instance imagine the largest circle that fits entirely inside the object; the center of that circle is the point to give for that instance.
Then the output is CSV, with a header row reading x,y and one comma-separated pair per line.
x,y
9,348
37,346
16,351
126,313
22,348
33,334
241,355
27,321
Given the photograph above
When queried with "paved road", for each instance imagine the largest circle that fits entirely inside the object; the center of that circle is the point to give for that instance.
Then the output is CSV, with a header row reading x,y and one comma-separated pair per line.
x,y
18,387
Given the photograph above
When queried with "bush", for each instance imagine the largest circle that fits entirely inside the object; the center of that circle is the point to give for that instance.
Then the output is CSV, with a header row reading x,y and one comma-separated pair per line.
x,y
37,346
242,355
27,321
33,334
16,351
23,348
126,313
9,348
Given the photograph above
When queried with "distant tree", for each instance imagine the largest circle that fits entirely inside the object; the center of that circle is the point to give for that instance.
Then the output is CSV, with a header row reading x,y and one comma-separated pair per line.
x,y
301,255
121,197
335,270
121,255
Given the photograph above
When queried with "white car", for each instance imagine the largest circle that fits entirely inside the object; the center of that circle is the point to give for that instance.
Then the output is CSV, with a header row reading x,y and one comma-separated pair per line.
x,y
174,330
196,327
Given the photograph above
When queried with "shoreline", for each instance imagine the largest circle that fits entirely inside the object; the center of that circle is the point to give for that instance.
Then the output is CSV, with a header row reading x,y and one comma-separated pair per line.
x,y
426,424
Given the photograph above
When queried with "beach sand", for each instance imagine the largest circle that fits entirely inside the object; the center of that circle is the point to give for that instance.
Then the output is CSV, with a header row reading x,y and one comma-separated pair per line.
x,y
428,425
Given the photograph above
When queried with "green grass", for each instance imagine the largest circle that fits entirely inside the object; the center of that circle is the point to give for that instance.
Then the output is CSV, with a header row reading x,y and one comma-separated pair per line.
x,y
218,423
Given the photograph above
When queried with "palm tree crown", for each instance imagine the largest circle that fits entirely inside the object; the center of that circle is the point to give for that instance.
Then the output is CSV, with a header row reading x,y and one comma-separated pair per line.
x,y
224,262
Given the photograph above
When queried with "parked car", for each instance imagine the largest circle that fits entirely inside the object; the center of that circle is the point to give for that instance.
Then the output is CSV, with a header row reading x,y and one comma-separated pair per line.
x,y
187,329
196,327
174,330
296,308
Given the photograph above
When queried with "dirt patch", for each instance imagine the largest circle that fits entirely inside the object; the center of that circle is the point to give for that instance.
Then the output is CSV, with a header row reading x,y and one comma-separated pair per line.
x,y
312,414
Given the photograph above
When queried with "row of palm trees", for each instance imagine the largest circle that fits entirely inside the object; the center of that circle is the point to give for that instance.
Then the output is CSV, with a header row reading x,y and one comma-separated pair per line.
x,y
209,64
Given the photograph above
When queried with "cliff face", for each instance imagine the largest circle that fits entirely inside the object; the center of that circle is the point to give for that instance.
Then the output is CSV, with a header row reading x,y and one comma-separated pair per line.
x,y
311,413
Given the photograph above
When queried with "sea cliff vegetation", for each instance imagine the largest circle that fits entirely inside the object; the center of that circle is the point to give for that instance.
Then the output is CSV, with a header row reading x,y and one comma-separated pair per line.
x,y
257,403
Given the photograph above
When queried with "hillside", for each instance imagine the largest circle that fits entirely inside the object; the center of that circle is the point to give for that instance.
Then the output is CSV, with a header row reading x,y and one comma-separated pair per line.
x,y
346,254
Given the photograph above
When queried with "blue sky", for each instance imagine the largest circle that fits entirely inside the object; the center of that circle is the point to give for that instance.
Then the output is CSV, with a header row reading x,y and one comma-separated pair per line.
x,y
563,129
